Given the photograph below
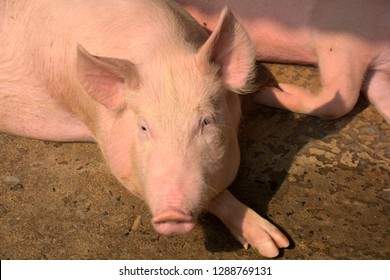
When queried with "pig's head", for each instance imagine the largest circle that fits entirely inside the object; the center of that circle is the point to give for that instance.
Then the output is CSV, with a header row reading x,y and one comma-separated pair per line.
x,y
168,128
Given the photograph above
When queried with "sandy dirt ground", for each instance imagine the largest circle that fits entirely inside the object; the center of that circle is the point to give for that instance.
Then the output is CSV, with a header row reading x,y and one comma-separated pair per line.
x,y
326,184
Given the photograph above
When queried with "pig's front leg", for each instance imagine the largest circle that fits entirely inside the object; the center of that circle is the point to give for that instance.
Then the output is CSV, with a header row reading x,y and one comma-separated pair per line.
x,y
247,226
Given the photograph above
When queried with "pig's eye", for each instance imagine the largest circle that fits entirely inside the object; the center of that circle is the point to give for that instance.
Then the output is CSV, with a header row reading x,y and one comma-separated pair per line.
x,y
204,123
143,127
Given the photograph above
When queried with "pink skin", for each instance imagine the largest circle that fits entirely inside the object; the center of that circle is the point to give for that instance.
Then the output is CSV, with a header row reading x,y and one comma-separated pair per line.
x,y
158,96
348,40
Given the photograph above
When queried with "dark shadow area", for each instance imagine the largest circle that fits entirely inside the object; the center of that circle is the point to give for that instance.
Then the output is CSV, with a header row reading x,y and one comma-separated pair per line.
x,y
269,140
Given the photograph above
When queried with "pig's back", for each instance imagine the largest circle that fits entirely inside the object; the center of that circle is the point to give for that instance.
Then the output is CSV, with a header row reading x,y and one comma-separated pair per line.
x,y
103,25
38,43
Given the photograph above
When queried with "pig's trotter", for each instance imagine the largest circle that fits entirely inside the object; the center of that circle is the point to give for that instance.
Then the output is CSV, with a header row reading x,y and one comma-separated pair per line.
x,y
287,97
247,226
328,103
341,82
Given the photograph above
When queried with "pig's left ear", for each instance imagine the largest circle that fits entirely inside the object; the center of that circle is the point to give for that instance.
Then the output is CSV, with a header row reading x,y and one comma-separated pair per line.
x,y
106,80
230,47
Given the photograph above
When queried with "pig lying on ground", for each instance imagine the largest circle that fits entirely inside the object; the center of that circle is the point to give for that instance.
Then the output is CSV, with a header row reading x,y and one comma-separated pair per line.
x,y
156,95
349,40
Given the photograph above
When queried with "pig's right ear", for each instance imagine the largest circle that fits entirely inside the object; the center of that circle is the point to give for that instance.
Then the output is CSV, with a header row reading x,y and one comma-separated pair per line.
x,y
231,49
106,80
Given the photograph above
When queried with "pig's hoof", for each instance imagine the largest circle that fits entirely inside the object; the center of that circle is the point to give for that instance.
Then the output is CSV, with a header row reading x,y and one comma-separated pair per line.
x,y
247,226
262,235
173,221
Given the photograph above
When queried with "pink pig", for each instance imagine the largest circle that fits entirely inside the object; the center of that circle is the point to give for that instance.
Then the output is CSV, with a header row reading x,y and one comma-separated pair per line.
x,y
158,96
348,40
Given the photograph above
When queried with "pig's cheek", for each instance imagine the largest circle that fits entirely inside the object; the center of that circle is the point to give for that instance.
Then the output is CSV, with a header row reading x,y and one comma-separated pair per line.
x,y
133,185
230,158
135,190
218,167
136,182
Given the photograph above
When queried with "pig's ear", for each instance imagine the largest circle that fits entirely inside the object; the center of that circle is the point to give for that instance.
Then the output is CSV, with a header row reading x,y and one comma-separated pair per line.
x,y
230,47
106,80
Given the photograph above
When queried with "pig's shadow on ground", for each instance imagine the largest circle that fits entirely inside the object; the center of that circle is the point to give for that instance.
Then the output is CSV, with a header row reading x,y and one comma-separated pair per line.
x,y
269,140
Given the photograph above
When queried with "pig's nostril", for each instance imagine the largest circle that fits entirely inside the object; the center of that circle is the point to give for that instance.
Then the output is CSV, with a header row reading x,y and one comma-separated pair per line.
x,y
173,222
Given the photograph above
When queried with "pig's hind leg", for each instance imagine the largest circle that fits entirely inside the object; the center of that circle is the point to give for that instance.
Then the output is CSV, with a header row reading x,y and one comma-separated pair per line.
x,y
377,89
341,76
247,226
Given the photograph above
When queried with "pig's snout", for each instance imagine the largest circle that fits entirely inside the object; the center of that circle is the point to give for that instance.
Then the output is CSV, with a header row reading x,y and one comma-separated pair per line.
x,y
173,221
